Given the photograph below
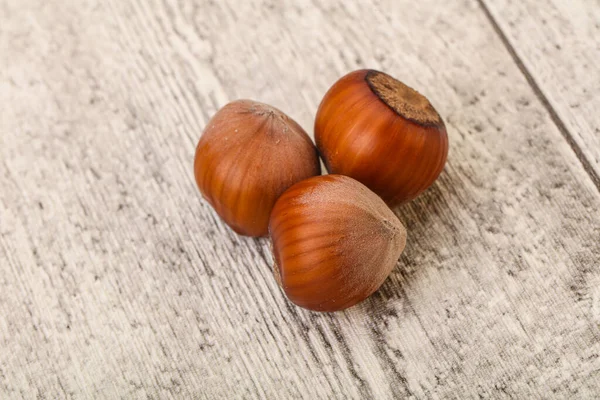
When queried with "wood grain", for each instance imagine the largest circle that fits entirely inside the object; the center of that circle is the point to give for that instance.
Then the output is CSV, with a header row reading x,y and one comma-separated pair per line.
x,y
117,280
557,45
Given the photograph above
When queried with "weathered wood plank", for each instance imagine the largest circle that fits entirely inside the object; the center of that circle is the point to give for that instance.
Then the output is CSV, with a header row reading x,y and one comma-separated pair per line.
x,y
558,44
117,280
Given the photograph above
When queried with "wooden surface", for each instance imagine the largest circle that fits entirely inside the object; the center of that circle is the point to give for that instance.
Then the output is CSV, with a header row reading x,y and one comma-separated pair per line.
x,y
118,281
557,46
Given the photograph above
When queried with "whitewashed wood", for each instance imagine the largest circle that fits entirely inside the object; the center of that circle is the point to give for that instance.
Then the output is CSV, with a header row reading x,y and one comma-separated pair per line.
x,y
558,43
116,280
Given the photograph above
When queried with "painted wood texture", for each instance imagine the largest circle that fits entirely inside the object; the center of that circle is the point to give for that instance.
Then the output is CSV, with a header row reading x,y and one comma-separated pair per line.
x,y
117,280
557,44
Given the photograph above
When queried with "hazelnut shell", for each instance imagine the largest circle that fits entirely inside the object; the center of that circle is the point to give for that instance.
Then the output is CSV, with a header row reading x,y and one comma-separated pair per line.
x,y
379,131
334,242
249,154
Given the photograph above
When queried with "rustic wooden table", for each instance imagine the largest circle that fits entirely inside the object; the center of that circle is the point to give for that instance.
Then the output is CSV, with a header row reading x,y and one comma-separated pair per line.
x,y
118,281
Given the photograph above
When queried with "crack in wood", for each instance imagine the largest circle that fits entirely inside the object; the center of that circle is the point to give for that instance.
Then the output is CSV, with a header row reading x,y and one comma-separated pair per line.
x,y
558,122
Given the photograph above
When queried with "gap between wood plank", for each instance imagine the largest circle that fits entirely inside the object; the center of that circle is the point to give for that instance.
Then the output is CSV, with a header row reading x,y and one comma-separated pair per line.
x,y
587,166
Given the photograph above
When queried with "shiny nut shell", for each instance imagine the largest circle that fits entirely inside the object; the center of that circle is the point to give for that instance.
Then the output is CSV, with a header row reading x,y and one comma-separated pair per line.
x,y
377,130
249,154
334,242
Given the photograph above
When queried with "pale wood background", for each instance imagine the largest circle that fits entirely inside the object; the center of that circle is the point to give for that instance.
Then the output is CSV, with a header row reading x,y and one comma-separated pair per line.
x,y
118,281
